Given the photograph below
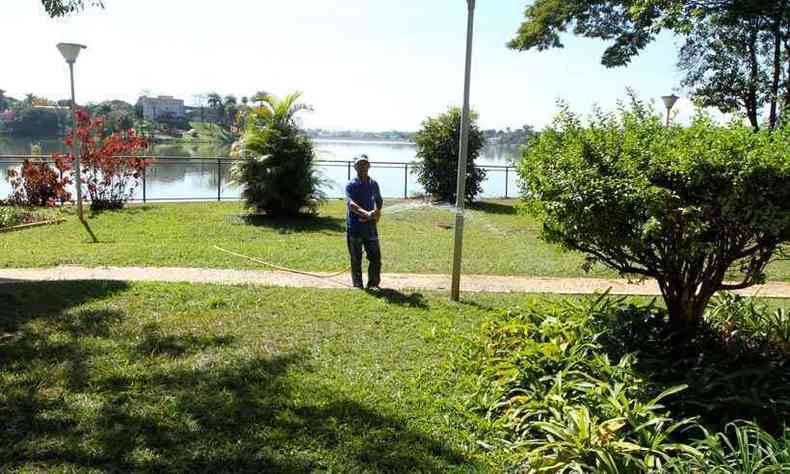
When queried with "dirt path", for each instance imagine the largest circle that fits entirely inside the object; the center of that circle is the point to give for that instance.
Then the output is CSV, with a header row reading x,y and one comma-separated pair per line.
x,y
398,281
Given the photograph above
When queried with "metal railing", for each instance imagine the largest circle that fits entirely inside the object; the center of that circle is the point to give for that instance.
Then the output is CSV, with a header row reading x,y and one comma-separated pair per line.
x,y
220,162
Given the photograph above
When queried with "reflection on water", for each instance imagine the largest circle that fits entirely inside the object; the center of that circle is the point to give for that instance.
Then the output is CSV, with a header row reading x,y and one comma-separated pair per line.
x,y
196,179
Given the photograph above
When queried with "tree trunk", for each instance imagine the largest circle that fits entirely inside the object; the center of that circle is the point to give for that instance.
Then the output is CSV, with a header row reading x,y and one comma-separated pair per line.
x,y
751,95
777,63
685,307
786,104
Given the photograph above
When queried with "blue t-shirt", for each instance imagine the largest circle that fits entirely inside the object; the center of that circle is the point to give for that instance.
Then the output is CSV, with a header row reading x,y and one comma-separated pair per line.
x,y
367,196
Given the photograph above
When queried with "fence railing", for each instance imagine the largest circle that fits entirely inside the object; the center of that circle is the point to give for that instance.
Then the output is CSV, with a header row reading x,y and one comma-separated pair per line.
x,y
388,172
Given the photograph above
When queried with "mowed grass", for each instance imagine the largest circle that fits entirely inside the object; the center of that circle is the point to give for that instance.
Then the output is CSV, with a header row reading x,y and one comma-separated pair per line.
x,y
108,376
415,239
121,377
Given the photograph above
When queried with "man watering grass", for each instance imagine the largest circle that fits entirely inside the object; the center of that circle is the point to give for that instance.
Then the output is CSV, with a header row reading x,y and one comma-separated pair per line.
x,y
364,211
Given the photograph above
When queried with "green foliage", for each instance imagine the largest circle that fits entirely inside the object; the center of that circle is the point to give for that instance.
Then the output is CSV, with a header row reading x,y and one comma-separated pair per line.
x,y
590,385
119,116
16,215
749,324
25,120
561,403
58,8
438,145
686,206
742,448
209,132
277,167
736,54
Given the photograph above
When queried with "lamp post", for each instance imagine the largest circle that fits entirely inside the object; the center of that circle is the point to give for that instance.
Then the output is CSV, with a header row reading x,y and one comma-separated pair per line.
x,y
669,102
455,288
70,51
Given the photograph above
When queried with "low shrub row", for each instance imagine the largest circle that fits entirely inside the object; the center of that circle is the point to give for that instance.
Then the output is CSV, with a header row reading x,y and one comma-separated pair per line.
x,y
13,215
595,385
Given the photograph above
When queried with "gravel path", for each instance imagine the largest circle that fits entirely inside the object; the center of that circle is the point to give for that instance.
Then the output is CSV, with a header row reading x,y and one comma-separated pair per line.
x,y
397,281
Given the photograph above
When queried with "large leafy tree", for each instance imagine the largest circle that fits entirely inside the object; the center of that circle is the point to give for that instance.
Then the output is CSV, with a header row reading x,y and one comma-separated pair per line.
x,y
699,209
58,8
735,53
437,152
276,168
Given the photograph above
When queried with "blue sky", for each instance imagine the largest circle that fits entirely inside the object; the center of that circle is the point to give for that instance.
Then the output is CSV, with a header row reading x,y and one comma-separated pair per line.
x,y
364,64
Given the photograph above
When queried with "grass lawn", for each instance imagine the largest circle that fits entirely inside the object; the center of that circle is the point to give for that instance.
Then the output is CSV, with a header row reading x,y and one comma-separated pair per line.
x,y
414,240
190,378
111,376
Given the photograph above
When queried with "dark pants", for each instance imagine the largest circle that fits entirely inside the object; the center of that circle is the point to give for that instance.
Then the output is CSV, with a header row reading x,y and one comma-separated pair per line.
x,y
371,245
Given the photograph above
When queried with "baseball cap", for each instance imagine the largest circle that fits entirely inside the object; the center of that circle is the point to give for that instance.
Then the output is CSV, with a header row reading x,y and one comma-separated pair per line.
x,y
361,158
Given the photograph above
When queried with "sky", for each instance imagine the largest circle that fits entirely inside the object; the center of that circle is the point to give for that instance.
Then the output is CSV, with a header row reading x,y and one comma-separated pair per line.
x,y
362,64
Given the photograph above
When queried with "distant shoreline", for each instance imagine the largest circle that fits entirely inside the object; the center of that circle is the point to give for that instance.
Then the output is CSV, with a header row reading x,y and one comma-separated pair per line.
x,y
362,140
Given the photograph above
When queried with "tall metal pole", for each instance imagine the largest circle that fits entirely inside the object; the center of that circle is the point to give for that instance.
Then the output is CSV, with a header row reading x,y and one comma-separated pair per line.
x,y
76,154
455,289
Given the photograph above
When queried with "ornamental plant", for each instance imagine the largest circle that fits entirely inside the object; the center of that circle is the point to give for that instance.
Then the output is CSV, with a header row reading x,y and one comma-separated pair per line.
x,y
699,209
38,185
437,152
277,165
112,167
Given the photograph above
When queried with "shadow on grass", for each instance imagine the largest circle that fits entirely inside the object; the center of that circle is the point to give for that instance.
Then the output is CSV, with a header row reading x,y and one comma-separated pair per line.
x,y
494,207
413,300
23,300
93,389
301,224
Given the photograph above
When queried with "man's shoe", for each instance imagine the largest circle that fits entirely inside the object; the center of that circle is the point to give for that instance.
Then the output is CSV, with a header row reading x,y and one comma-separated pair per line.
x,y
374,288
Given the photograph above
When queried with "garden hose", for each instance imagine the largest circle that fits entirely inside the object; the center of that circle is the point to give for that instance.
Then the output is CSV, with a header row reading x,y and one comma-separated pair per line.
x,y
282,269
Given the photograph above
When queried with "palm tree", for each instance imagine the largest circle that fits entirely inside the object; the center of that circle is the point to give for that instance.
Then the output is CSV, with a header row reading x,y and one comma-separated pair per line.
x,y
214,101
277,171
231,109
280,113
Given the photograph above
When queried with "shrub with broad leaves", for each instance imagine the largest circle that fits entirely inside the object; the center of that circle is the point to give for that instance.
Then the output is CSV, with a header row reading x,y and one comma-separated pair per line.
x,y
438,145
699,209
590,386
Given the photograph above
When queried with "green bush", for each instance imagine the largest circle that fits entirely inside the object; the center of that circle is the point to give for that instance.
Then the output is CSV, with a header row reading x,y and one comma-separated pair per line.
x,y
589,385
15,215
34,121
687,206
437,152
277,168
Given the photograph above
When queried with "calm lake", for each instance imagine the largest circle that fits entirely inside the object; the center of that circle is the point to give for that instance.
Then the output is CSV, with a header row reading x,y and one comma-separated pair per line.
x,y
187,172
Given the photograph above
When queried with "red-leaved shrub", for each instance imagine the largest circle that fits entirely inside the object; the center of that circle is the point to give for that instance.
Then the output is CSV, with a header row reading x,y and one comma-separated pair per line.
x,y
111,165
37,184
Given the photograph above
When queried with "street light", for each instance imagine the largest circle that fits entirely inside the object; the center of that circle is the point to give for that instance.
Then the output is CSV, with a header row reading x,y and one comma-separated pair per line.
x,y
70,52
669,102
455,288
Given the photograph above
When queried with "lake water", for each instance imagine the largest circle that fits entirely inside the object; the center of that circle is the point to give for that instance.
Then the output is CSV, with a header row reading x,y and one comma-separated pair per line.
x,y
188,172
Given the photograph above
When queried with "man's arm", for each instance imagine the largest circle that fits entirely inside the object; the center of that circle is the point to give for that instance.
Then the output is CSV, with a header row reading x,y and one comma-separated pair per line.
x,y
356,208
379,202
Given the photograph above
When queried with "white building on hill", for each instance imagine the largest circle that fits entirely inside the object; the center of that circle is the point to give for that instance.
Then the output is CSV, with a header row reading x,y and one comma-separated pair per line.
x,y
163,106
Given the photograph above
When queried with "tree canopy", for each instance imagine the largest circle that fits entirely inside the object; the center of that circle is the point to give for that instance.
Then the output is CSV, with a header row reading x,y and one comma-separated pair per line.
x,y
59,8
735,53
687,206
